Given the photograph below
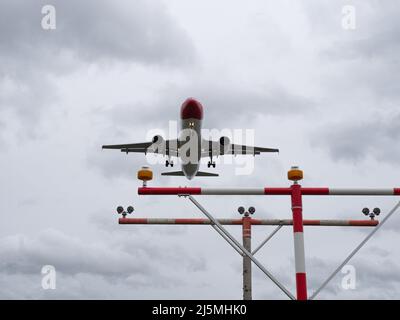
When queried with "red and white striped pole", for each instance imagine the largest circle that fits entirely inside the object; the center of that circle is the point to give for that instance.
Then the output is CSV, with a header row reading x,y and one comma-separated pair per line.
x,y
299,256
246,235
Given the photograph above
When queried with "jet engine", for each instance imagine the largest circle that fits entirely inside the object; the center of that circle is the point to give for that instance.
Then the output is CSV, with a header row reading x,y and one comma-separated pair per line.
x,y
224,141
157,140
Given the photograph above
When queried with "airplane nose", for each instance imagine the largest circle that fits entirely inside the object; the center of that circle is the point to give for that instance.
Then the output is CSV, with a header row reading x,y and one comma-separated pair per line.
x,y
191,108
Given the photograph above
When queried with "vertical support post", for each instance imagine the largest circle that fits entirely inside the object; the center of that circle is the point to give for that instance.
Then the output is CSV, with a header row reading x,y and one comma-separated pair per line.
x,y
246,233
299,256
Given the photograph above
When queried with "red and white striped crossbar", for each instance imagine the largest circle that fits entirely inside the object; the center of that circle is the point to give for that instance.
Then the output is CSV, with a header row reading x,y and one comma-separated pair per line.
x,y
269,191
268,222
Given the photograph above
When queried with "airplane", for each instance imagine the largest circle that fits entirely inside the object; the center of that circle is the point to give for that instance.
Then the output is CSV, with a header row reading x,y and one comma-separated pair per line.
x,y
190,147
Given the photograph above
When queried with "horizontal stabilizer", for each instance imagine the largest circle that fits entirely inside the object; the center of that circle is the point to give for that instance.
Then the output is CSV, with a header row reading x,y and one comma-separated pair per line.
x,y
206,174
198,174
173,173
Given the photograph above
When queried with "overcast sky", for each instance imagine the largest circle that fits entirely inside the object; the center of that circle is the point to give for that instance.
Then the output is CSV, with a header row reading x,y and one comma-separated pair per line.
x,y
328,97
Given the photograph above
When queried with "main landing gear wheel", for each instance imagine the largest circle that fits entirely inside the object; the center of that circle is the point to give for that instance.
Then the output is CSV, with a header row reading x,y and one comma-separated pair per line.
x,y
210,164
169,163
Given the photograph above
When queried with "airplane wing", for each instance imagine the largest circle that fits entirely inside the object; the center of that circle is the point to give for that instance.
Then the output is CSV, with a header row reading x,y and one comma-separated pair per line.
x,y
171,148
214,148
167,147
143,145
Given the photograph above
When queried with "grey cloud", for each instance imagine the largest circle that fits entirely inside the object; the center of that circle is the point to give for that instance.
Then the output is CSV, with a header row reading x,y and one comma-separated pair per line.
x,y
91,31
382,253
115,164
376,274
226,104
88,32
371,38
81,286
381,274
83,265
367,57
223,104
72,256
375,138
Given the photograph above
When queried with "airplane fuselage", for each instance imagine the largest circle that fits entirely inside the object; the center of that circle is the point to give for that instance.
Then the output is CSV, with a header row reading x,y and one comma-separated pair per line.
x,y
191,121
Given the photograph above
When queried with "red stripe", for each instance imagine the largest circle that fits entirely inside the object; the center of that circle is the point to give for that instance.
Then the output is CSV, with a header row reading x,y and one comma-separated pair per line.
x,y
132,221
301,286
277,191
158,190
363,223
246,227
297,221
297,208
396,191
315,191
312,222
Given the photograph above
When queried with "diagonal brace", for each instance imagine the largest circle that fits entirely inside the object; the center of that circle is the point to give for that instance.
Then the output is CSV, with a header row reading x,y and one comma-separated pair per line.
x,y
238,245
355,250
267,239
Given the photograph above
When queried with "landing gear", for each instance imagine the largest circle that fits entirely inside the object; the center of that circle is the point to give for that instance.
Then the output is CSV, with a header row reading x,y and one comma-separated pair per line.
x,y
169,163
210,163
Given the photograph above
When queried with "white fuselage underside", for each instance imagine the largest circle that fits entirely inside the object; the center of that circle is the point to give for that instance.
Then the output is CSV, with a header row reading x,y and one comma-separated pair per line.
x,y
191,130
